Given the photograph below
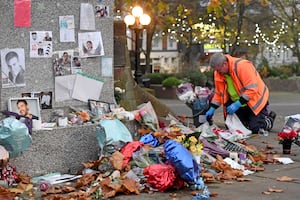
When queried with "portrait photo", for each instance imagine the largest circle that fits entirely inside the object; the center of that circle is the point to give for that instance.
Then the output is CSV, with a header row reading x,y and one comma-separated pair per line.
x,y
76,65
101,11
90,44
26,107
13,67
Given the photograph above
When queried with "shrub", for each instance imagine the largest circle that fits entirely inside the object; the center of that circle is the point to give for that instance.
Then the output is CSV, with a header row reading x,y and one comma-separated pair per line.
x,y
171,81
155,78
193,76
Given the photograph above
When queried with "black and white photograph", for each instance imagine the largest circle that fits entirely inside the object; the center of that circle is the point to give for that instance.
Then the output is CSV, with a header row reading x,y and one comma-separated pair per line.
x,y
13,67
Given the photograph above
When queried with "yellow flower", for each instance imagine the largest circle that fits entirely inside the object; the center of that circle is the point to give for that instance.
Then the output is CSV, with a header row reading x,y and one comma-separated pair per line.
x,y
193,140
193,149
180,138
199,148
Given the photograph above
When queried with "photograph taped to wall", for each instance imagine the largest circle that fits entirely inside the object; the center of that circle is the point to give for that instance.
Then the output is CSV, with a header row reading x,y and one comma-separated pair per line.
x,y
90,44
40,44
13,67
98,108
31,110
45,98
31,94
101,11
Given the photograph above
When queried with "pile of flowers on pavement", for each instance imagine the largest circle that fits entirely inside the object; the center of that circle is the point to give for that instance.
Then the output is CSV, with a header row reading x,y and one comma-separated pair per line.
x,y
163,155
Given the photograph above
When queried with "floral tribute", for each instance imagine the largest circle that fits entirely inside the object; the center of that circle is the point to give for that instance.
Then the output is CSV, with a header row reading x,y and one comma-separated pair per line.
x,y
287,135
191,143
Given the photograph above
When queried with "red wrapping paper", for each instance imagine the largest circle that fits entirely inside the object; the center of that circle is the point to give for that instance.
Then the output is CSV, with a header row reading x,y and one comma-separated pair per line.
x,y
22,13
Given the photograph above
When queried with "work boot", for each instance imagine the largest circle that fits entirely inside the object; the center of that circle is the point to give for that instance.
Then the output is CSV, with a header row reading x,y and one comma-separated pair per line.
x,y
270,120
272,114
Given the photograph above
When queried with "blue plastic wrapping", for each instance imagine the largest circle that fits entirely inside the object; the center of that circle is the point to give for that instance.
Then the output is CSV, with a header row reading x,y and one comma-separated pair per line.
x,y
204,196
183,161
112,134
149,139
14,136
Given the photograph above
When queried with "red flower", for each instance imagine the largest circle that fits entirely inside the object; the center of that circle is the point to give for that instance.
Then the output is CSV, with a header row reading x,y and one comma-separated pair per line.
x,y
287,135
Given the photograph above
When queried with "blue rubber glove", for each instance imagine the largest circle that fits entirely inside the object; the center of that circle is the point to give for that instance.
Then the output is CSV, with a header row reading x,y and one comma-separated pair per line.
x,y
233,107
210,113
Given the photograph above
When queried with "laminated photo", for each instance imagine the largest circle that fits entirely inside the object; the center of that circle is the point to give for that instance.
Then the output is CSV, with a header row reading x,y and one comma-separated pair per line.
x,y
90,44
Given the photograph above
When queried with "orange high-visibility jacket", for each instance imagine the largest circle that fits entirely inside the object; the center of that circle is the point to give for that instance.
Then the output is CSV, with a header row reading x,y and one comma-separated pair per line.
x,y
247,83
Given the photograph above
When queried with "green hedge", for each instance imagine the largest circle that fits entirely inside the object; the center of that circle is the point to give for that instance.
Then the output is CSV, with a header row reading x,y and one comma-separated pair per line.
x,y
171,81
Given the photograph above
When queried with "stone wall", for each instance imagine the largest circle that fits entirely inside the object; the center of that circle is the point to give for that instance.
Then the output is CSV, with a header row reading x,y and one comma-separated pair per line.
x,y
39,74
61,149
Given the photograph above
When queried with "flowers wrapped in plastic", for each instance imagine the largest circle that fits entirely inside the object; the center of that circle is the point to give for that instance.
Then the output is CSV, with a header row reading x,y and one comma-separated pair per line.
x,y
146,115
182,160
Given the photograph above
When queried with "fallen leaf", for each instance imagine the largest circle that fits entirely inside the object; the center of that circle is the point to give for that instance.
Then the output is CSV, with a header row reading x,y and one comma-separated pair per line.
x,y
285,179
213,194
275,190
267,193
243,179
117,160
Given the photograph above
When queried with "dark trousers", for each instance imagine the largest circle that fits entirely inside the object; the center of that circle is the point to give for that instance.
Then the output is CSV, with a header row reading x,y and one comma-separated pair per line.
x,y
252,121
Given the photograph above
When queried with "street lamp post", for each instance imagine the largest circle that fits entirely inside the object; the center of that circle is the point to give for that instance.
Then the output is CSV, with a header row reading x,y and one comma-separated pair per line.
x,y
137,21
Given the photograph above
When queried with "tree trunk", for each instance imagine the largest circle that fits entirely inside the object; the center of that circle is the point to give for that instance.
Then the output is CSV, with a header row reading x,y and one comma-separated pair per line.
x,y
135,95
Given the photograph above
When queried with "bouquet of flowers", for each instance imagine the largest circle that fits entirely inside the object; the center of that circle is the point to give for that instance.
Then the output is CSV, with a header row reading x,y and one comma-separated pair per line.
x,y
287,134
191,143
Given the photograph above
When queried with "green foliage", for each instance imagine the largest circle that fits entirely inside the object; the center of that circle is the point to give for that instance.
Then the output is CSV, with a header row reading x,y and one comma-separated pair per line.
x,y
157,78
286,70
274,72
171,81
195,77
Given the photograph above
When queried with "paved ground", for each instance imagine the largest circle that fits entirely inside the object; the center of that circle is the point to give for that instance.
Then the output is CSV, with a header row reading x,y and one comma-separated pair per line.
x,y
283,104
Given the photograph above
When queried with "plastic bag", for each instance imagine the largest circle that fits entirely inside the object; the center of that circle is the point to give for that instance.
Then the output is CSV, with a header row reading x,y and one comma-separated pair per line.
x,y
160,176
14,136
148,116
185,92
149,139
112,135
141,158
183,160
236,127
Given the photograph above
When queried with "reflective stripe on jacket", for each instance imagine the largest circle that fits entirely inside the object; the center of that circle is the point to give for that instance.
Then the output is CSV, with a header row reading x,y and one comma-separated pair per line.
x,y
247,82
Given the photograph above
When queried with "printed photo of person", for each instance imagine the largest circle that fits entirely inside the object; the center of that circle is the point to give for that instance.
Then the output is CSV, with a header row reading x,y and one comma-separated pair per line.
x,y
90,44
40,44
47,37
62,65
13,67
101,11
23,109
46,100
